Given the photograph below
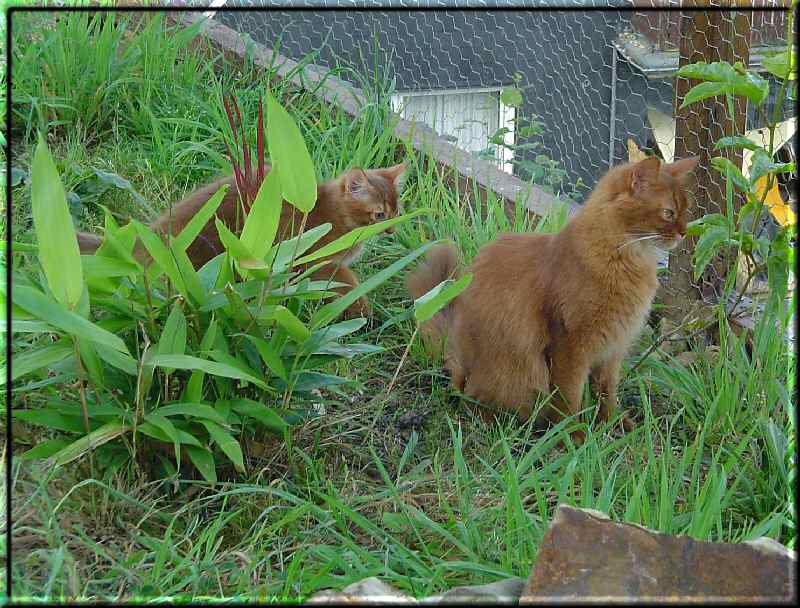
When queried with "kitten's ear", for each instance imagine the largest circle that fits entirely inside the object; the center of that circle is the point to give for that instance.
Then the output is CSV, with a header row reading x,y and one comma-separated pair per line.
x,y
681,169
355,182
397,176
644,172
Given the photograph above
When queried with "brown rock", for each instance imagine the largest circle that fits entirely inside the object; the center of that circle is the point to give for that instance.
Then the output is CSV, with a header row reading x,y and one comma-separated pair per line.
x,y
585,556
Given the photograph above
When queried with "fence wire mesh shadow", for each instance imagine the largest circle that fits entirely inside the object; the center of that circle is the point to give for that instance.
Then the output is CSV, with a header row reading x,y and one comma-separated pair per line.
x,y
596,86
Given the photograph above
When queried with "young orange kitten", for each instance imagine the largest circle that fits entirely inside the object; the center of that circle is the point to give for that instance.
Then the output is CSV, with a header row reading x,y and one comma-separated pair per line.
x,y
356,198
546,311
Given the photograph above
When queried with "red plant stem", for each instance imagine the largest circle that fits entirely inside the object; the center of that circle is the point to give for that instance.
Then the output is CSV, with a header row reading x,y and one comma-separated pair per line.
x,y
237,173
230,119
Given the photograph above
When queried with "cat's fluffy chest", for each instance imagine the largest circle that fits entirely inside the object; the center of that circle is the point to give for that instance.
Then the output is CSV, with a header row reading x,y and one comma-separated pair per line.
x,y
617,318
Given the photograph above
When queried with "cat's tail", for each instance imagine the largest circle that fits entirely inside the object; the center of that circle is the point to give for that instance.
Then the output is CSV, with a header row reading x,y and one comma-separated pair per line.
x,y
440,264
88,243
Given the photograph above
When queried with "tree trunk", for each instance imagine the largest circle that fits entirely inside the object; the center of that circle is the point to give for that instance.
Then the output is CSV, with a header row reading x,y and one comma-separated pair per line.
x,y
709,36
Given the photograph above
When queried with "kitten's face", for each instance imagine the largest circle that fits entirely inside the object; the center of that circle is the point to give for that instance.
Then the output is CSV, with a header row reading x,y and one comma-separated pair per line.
x,y
372,195
653,207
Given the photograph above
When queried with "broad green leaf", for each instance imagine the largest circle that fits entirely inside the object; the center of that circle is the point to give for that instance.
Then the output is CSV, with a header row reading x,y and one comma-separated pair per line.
x,y
232,244
262,221
115,358
290,158
209,273
156,433
227,444
45,449
118,243
702,91
329,312
713,219
762,165
331,333
188,274
733,78
163,260
226,358
56,315
194,388
158,420
778,267
96,438
270,357
345,351
440,296
100,267
722,164
707,245
237,307
59,254
511,96
195,226
52,419
281,254
203,459
210,367
309,381
253,289
91,362
264,414
120,182
32,360
193,410
783,64
736,141
20,247
293,326
95,410
358,235
173,336
25,327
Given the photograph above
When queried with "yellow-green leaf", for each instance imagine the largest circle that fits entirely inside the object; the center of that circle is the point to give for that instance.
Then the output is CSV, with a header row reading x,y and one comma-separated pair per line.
x,y
290,157
261,224
59,254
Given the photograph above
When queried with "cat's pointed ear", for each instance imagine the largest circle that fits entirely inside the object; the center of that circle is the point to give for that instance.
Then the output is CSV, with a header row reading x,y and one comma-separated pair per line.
x,y
355,182
644,172
681,169
397,176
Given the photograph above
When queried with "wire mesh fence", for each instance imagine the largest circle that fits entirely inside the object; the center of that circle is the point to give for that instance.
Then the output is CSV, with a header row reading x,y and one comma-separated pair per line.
x,y
597,87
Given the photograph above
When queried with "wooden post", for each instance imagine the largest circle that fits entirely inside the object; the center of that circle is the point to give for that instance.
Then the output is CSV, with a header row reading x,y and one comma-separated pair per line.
x,y
712,35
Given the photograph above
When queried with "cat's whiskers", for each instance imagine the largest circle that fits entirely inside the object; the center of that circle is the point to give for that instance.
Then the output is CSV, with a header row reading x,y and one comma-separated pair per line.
x,y
641,238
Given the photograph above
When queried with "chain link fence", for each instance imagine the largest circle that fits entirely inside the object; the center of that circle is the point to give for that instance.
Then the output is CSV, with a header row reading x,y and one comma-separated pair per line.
x,y
597,86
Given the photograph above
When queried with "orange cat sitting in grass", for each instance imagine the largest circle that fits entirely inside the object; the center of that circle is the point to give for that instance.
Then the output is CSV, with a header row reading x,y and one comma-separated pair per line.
x,y
356,198
544,312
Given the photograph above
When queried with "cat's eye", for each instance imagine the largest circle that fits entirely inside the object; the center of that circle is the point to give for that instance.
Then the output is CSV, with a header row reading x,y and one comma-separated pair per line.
x,y
380,215
668,214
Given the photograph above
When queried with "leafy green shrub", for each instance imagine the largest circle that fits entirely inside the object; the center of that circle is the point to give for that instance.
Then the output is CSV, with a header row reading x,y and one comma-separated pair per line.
x,y
118,354
759,403
737,229
529,162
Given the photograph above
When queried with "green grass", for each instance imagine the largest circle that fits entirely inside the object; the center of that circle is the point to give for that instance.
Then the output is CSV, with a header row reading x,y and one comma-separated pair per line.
x,y
410,486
